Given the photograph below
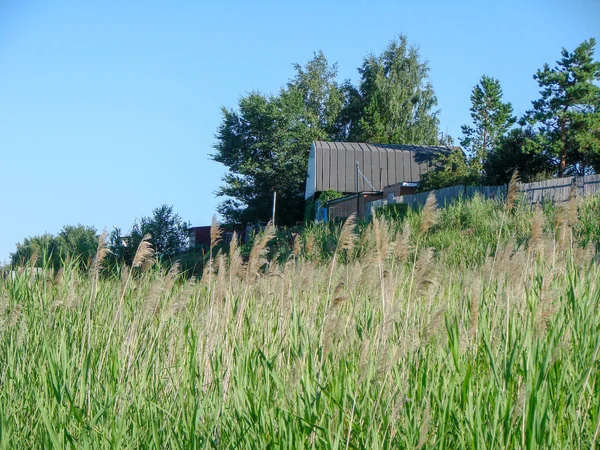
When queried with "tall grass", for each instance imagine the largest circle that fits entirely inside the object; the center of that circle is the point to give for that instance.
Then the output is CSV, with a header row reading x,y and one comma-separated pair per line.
x,y
455,335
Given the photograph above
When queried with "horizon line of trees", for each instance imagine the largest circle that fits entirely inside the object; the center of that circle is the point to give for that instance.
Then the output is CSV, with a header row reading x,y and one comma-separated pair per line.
x,y
264,142
79,243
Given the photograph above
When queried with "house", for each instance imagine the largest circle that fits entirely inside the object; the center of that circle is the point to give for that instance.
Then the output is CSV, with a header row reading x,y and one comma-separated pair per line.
x,y
200,236
363,173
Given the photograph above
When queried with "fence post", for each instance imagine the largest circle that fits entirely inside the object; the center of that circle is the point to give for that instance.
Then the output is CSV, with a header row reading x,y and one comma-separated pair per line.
x,y
579,185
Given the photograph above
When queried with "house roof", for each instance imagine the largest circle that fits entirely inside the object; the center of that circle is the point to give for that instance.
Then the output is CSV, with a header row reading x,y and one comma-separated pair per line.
x,y
332,165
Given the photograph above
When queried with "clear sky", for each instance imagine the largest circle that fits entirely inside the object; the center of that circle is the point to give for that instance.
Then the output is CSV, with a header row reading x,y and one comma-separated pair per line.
x,y
108,109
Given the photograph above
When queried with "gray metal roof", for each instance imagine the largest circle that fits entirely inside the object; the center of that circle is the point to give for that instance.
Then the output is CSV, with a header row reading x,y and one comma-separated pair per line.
x,y
334,165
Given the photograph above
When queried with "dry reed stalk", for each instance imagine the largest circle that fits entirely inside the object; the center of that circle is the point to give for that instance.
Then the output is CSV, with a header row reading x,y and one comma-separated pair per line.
x,y
95,266
216,233
143,253
424,429
236,264
346,243
258,253
59,276
435,325
183,297
171,276
309,246
512,191
70,300
152,299
402,246
14,316
430,214
101,253
381,232
426,273
537,228
332,318
297,245
220,284
474,309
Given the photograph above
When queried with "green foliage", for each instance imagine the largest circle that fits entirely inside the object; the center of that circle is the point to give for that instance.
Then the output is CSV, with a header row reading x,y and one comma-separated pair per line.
x,y
394,101
73,242
491,120
463,347
567,114
325,196
169,236
519,150
265,144
453,169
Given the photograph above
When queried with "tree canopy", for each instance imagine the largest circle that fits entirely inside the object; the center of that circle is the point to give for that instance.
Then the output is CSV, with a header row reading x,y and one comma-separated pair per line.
x,y
492,118
394,102
75,242
567,114
265,141
169,236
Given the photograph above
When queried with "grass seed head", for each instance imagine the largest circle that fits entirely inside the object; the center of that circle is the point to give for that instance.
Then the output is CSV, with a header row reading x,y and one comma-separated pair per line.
x,y
429,215
144,252
512,191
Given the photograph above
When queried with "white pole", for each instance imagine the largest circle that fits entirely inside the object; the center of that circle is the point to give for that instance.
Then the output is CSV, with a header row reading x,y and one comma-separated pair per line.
x,y
274,202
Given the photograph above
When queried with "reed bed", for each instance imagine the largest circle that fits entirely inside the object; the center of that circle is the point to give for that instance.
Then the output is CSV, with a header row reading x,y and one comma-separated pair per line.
x,y
391,341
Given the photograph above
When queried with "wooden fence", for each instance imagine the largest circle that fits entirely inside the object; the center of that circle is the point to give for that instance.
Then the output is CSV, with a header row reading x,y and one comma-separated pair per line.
x,y
555,190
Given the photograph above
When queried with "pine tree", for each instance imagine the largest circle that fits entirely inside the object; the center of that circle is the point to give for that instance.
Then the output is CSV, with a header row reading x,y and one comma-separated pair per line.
x,y
567,114
491,120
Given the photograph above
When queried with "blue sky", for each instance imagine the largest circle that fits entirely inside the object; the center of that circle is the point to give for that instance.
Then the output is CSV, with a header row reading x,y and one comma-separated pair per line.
x,y
109,109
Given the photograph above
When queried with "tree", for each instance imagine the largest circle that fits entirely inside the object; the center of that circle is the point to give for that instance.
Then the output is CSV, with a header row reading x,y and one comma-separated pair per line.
x,y
394,102
452,169
169,236
73,242
491,120
519,150
567,114
265,144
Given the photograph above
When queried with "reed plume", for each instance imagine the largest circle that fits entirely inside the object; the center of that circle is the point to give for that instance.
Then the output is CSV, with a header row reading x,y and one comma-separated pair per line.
x,y
402,246
101,253
309,246
144,252
172,276
512,191
537,228
257,258
236,264
425,276
216,232
347,237
345,242
430,214
296,247
220,284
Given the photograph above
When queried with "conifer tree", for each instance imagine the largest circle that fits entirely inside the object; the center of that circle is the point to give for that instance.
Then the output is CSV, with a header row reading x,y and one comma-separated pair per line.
x,y
567,114
492,118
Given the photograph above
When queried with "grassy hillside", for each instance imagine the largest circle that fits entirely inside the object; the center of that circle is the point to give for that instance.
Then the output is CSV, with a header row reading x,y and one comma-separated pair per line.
x,y
476,326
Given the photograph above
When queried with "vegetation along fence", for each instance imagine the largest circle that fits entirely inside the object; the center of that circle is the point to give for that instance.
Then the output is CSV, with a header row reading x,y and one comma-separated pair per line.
x,y
556,190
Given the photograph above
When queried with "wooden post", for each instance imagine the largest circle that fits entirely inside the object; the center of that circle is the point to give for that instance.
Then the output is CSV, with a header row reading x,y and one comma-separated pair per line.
x,y
274,202
357,192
